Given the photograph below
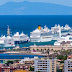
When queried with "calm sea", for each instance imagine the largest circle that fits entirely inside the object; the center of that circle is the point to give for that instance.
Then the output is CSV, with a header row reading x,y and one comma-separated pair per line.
x,y
7,56
28,23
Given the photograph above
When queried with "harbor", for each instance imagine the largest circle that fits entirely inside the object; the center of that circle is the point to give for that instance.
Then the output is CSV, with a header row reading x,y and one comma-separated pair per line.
x,y
35,36
39,35
21,51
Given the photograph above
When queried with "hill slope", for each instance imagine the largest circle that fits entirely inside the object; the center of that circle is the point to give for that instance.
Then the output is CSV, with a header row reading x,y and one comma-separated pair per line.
x,y
34,8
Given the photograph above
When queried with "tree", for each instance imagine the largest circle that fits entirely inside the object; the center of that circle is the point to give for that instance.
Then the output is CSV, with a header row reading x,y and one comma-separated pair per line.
x,y
37,49
62,57
59,70
31,69
41,49
9,62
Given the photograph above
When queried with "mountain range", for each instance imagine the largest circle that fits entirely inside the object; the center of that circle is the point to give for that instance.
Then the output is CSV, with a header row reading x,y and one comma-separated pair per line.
x,y
34,8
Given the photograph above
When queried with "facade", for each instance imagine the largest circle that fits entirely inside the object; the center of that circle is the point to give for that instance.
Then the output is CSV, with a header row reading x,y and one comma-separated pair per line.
x,y
27,61
45,65
68,65
62,46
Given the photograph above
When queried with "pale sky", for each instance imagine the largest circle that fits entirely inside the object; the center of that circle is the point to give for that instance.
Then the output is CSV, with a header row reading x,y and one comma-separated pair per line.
x,y
61,2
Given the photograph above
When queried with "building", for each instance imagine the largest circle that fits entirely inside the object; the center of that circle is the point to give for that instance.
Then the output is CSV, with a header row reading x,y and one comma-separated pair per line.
x,y
68,65
29,61
62,46
45,65
20,71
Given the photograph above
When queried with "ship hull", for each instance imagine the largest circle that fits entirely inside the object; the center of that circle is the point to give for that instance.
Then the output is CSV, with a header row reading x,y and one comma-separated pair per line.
x,y
40,39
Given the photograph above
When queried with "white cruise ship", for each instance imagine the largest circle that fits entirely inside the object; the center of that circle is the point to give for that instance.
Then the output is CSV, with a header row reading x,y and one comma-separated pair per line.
x,y
63,39
66,30
44,35
20,38
41,35
7,41
56,32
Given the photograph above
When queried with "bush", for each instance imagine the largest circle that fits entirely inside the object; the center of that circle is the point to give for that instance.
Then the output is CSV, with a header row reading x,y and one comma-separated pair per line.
x,y
61,61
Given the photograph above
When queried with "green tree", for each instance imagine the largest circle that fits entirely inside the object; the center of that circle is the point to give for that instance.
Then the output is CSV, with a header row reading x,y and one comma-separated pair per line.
x,y
59,70
31,69
41,49
9,62
37,49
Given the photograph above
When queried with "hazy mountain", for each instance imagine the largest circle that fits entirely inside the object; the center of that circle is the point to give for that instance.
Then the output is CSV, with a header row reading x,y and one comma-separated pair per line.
x,y
34,8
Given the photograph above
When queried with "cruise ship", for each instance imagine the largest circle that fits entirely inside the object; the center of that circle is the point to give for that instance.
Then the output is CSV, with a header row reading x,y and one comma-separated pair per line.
x,y
63,39
7,41
20,38
45,35
66,30
41,35
56,32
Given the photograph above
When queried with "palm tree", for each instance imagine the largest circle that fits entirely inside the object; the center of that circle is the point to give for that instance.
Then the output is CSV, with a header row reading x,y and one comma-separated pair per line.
x,y
45,49
41,49
37,49
48,52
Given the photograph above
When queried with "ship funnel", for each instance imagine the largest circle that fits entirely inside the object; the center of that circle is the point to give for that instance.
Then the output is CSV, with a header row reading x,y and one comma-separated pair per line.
x,y
39,27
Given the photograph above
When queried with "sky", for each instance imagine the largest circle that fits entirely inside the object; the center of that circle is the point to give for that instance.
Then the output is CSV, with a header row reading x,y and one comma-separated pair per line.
x,y
61,2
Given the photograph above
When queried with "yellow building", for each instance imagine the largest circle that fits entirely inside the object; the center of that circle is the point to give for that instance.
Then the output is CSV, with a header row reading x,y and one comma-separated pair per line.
x,y
20,70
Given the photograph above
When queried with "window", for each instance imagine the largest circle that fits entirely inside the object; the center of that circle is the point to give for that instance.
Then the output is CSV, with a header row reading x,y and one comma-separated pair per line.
x,y
68,66
39,61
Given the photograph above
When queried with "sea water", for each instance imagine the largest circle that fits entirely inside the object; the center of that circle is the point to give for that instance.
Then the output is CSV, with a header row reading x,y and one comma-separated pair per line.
x,y
28,23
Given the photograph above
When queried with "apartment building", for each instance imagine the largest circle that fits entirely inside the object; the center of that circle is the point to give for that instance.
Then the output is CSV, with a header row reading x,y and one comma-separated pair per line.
x,y
68,65
45,65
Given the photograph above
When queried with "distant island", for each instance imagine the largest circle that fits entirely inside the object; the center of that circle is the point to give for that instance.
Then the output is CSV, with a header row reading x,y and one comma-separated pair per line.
x,y
34,8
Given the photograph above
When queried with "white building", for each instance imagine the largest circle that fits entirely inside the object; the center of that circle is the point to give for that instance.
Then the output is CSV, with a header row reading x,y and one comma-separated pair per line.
x,y
68,65
45,65
26,60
